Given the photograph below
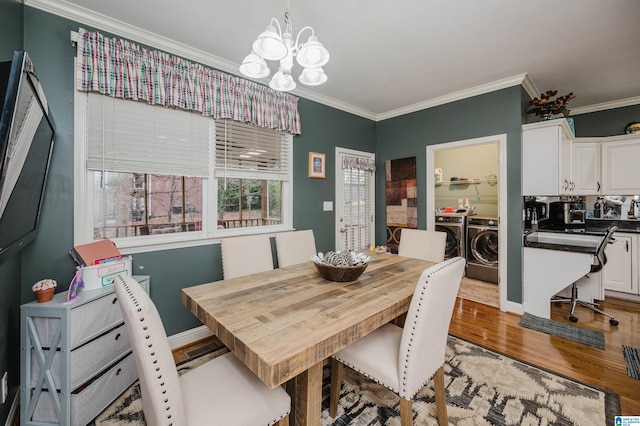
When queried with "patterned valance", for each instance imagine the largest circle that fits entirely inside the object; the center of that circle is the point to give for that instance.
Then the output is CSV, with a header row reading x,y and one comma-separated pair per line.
x,y
122,69
359,163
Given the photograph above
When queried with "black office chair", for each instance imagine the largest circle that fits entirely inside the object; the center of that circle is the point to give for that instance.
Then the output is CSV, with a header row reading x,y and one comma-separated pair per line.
x,y
600,261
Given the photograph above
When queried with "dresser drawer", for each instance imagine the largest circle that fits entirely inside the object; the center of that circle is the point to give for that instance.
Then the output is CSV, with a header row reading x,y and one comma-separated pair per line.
x,y
94,398
85,321
89,359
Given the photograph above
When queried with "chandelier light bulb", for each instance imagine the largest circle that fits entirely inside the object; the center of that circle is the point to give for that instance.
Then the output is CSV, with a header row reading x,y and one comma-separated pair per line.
x,y
282,82
254,66
313,76
269,44
312,54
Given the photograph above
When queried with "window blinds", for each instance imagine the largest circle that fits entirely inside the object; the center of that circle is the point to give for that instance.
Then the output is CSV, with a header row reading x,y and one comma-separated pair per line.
x,y
134,137
357,212
246,151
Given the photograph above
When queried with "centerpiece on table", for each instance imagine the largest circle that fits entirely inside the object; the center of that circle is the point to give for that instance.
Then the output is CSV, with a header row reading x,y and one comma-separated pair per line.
x,y
44,290
341,266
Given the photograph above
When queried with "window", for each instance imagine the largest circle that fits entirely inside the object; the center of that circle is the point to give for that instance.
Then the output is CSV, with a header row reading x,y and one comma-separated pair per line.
x,y
148,175
252,171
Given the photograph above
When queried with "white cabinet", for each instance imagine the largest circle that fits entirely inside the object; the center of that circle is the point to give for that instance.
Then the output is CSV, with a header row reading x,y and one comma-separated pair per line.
x,y
79,350
619,273
586,167
546,158
620,156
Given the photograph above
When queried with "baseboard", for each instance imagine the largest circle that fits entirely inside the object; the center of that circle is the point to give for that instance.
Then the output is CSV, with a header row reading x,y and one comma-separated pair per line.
x,y
12,416
621,295
189,336
515,308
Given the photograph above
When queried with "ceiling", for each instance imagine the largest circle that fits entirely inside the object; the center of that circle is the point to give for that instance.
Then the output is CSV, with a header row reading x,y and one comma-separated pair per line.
x,y
389,58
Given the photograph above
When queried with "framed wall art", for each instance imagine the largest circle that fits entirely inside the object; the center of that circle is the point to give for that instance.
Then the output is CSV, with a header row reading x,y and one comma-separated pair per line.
x,y
317,165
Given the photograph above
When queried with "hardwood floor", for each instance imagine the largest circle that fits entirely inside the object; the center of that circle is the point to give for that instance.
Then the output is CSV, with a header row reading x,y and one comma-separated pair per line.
x,y
488,326
479,291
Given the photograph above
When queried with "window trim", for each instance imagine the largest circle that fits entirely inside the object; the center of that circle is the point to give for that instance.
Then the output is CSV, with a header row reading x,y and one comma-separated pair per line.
x,y
83,197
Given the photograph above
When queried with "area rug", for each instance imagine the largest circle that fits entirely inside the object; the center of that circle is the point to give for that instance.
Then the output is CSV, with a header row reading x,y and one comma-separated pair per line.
x,y
632,359
566,331
483,387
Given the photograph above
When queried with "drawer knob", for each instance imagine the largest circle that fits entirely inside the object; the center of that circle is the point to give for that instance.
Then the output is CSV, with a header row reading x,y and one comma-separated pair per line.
x,y
119,371
117,336
115,299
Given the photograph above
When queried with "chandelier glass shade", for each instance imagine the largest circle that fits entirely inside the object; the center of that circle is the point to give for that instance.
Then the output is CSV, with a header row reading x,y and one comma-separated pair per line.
x,y
275,45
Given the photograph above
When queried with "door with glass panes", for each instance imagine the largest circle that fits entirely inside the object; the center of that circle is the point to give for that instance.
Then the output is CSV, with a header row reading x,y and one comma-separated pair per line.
x,y
355,178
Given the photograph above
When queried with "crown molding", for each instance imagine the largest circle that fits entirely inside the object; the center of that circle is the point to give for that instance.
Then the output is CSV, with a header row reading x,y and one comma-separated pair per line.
x,y
462,94
529,86
606,105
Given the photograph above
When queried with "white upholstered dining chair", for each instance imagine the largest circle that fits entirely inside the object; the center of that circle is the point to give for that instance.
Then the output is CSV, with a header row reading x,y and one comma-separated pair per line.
x,y
421,244
403,360
295,247
246,255
221,391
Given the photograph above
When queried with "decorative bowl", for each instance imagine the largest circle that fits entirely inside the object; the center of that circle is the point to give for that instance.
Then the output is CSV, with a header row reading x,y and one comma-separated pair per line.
x,y
340,273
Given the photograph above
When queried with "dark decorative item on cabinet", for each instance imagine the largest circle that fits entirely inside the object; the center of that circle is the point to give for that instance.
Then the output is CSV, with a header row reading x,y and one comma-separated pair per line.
x,y
545,107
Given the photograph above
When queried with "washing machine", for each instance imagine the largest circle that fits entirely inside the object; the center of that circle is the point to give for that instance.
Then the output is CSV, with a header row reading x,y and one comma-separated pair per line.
x,y
482,248
454,225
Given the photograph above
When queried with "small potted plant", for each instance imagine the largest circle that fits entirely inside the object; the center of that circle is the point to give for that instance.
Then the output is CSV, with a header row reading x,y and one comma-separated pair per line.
x,y
44,290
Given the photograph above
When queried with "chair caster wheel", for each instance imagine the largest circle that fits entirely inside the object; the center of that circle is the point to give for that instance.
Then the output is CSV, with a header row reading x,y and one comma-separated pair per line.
x,y
573,319
613,322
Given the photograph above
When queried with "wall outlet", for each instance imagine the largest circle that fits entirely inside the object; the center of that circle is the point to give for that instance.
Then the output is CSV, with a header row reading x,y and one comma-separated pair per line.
x,y
5,387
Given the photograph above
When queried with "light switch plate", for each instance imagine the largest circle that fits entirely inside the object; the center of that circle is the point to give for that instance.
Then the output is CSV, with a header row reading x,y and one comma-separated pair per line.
x,y
327,206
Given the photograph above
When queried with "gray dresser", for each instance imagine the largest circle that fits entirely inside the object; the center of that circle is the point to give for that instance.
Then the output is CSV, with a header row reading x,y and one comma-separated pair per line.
x,y
81,350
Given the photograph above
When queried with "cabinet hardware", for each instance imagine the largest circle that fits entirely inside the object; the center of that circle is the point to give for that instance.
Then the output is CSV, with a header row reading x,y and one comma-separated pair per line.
x,y
627,244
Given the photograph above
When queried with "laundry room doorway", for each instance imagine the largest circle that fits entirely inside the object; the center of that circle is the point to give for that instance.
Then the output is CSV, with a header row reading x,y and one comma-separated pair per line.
x,y
465,178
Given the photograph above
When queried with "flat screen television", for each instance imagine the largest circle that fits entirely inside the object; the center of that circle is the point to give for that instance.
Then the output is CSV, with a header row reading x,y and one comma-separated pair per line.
x,y
26,142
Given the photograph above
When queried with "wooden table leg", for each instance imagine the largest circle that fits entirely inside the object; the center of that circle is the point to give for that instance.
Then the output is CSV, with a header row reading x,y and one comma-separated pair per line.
x,y
306,397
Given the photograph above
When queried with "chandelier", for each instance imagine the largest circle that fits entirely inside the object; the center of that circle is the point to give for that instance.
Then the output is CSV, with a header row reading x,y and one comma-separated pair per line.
x,y
276,45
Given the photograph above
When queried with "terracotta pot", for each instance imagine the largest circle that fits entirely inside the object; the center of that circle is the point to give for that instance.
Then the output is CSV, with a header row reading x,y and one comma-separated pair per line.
x,y
45,295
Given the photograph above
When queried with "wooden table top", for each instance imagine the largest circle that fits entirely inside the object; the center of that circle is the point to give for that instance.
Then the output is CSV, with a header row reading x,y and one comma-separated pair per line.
x,y
282,322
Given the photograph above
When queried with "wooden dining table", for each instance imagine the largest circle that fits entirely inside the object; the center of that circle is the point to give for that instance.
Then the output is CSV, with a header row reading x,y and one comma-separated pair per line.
x,y
285,322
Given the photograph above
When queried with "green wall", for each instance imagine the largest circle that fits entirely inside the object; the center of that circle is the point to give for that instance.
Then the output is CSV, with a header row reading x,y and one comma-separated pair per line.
x,y
486,115
606,123
11,25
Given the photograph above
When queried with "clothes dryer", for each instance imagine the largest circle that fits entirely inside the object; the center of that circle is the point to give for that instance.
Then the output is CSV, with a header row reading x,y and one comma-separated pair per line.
x,y
482,248
454,226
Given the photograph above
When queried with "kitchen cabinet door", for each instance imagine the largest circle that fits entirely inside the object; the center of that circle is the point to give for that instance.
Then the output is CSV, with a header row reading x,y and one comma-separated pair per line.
x,y
620,174
585,168
617,273
546,158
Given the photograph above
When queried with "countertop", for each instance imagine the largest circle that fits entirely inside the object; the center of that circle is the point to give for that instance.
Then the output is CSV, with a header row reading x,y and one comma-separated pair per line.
x,y
594,227
563,241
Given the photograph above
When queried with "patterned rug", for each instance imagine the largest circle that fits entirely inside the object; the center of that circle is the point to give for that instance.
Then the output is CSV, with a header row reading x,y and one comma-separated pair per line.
x,y
483,387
